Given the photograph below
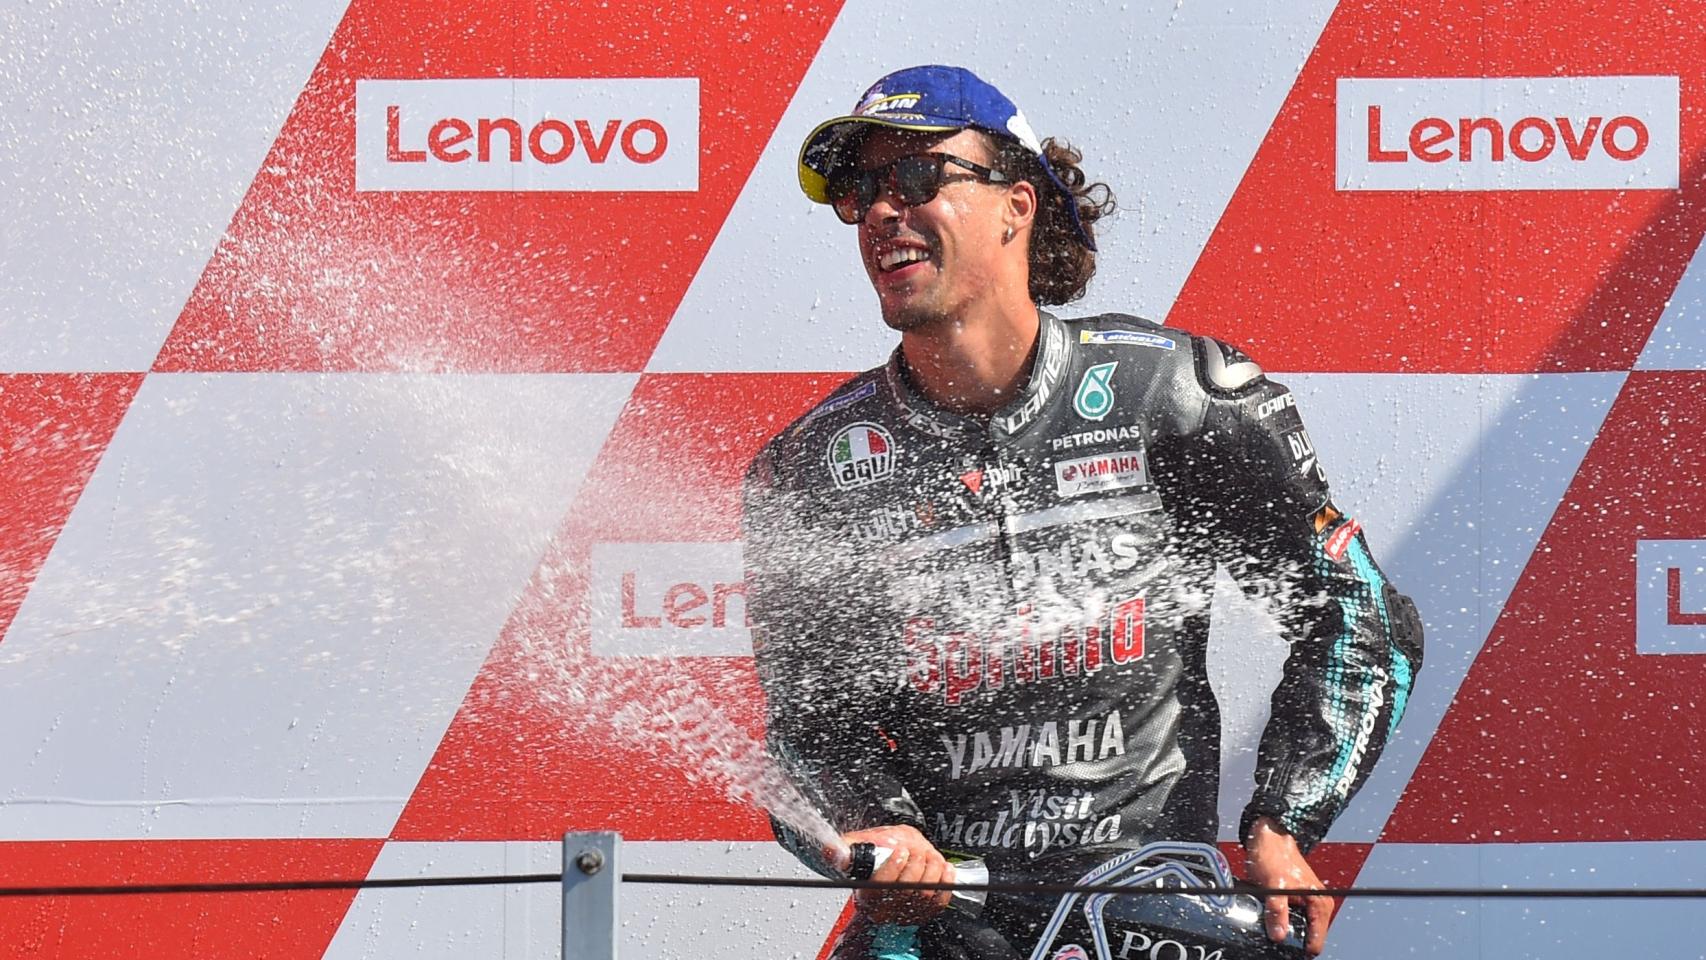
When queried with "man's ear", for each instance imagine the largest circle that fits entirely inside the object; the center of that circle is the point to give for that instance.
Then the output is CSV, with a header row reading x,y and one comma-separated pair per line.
x,y
1021,205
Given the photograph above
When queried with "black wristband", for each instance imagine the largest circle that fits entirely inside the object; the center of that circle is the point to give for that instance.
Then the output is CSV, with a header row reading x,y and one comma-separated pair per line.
x,y
864,861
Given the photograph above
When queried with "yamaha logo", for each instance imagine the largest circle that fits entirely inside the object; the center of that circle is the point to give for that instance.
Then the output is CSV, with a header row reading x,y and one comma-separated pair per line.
x,y
1108,471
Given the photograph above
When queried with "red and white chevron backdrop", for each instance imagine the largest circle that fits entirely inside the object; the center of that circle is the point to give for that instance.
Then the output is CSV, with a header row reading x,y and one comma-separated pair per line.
x,y
368,481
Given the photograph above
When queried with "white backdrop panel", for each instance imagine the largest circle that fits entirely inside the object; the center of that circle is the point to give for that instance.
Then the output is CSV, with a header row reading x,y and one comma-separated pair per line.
x,y
1454,478
129,134
782,288
1458,929
1678,341
526,922
274,593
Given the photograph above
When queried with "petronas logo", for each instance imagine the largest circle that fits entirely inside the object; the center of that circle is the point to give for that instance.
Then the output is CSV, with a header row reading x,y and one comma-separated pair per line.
x,y
1095,396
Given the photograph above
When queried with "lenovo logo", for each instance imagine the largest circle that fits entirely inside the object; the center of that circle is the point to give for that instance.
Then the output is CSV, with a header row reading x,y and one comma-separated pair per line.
x,y
1670,596
668,599
1508,133
527,135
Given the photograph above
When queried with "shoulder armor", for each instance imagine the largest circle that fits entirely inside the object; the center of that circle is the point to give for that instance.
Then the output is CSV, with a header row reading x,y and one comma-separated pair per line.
x,y
1117,318
1225,369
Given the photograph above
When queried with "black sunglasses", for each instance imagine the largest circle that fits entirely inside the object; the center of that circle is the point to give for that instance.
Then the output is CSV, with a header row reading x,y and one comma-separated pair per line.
x,y
915,180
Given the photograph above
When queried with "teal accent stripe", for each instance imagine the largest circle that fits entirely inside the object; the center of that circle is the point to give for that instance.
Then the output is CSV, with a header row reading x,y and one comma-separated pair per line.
x,y
1364,565
1335,708
1400,697
1365,568
893,941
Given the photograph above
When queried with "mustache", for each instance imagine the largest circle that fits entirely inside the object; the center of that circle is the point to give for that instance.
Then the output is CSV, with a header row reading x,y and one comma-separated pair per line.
x,y
899,233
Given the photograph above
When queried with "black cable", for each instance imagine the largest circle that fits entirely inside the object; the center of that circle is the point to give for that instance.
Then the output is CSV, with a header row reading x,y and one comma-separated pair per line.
x,y
1048,889
1061,889
274,886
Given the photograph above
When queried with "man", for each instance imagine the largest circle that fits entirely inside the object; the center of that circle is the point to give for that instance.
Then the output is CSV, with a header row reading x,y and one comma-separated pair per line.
x,y
980,573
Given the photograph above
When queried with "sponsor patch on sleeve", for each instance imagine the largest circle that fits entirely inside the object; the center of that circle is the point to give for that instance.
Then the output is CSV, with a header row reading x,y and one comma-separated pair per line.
x,y
1339,541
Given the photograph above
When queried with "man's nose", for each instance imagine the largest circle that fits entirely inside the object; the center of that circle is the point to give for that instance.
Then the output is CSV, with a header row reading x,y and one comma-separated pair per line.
x,y
887,205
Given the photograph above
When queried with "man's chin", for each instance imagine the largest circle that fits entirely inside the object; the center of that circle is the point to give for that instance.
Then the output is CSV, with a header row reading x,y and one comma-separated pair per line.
x,y
906,321
908,316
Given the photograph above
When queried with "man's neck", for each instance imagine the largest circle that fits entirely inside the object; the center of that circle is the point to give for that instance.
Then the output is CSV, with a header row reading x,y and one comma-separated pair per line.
x,y
976,363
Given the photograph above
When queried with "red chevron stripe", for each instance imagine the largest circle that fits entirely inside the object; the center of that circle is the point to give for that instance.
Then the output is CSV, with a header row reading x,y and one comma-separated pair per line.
x,y
1307,277
53,430
312,275
542,742
295,925
1561,730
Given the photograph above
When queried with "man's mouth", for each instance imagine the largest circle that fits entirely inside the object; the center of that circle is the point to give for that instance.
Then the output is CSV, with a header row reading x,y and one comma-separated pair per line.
x,y
898,258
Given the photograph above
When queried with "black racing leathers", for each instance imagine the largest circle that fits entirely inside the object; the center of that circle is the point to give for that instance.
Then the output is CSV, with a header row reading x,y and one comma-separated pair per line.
x,y
995,630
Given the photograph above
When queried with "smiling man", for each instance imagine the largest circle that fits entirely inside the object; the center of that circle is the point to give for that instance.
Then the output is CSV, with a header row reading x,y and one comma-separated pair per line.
x,y
980,573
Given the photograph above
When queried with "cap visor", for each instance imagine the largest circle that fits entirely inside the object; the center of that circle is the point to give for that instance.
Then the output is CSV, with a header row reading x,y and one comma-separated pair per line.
x,y
823,147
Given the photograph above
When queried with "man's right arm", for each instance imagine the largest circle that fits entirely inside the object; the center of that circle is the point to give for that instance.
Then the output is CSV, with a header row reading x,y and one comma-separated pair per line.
x,y
819,728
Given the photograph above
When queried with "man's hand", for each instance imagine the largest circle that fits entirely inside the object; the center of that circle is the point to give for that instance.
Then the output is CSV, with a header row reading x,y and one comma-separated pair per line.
x,y
914,860
1275,862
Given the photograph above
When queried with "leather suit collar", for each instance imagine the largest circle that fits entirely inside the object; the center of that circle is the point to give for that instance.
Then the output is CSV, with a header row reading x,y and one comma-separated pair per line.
x,y
1048,372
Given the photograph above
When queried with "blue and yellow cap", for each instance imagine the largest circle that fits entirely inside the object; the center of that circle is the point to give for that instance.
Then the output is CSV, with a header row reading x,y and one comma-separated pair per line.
x,y
932,98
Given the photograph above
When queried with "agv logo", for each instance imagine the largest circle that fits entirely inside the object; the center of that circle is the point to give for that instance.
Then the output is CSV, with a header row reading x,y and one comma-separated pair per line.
x,y
859,455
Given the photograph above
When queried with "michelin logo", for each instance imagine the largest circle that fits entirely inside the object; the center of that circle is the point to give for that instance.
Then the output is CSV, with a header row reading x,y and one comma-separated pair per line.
x,y
1136,337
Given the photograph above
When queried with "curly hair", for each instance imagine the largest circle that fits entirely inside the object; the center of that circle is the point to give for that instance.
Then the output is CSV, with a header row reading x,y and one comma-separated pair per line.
x,y
1061,265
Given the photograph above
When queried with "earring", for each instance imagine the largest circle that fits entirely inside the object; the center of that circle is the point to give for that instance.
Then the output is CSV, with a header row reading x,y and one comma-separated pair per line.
x,y
1008,236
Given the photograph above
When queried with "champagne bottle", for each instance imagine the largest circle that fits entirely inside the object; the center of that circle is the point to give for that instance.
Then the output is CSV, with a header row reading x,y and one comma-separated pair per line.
x,y
868,858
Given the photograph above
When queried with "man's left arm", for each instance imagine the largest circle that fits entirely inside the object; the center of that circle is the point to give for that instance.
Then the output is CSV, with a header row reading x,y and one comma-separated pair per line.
x,y
1356,642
